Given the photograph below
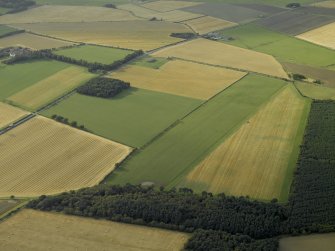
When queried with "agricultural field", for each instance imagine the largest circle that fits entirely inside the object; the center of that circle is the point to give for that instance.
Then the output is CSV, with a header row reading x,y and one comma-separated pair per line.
x,y
168,159
164,6
4,30
9,114
268,9
31,230
325,4
324,36
32,41
151,62
85,2
92,54
282,47
324,242
45,157
6,205
207,24
145,35
133,117
316,91
215,53
202,82
59,14
258,160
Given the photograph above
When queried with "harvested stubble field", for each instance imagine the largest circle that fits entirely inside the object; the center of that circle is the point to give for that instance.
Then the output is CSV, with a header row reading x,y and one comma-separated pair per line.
x,y
316,91
50,88
133,117
282,47
170,157
325,4
233,13
295,22
136,35
32,41
25,75
91,53
207,24
215,53
321,242
324,36
58,14
9,114
45,157
180,78
31,230
164,6
6,205
258,160
151,62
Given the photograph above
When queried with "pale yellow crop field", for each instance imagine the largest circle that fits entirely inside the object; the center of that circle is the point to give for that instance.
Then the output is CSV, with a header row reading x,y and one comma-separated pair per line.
x,y
144,35
180,78
325,4
54,13
207,24
9,114
31,230
42,156
51,88
255,159
164,6
324,35
32,41
171,16
216,53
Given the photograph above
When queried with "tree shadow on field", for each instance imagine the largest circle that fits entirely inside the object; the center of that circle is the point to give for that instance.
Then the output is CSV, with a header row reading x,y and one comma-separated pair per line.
x,y
125,93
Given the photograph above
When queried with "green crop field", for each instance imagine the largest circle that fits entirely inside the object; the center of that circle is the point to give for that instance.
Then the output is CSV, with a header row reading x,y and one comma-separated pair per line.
x,y
133,118
316,91
25,75
267,2
282,47
92,54
82,2
5,29
169,158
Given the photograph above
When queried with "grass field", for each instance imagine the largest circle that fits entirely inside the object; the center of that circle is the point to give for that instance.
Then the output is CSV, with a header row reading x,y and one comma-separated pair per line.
x,y
144,35
210,52
282,47
169,158
50,88
32,41
280,3
45,157
325,4
94,54
207,24
259,159
9,114
180,78
82,2
134,117
31,230
164,6
7,205
5,30
151,62
315,91
54,14
321,242
324,36
25,75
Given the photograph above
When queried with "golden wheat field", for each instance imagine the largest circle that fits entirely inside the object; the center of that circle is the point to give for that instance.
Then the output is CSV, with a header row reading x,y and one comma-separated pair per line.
x,y
324,35
207,24
51,88
325,4
216,53
180,78
45,157
138,10
9,114
31,230
32,41
254,160
164,6
144,35
53,13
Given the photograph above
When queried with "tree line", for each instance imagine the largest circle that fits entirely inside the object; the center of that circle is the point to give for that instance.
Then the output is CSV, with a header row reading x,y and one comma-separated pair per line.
x,y
103,87
66,121
92,67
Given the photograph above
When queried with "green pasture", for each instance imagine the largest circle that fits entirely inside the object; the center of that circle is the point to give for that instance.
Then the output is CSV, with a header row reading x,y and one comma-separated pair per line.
x,y
92,54
174,154
133,117
5,29
282,47
82,2
316,91
280,3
